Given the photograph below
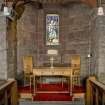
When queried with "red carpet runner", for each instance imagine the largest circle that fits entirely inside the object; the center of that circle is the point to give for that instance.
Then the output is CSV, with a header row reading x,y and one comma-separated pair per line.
x,y
52,96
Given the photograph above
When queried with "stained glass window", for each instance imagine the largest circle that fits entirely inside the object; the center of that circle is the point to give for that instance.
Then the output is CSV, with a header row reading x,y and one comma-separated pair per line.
x,y
52,29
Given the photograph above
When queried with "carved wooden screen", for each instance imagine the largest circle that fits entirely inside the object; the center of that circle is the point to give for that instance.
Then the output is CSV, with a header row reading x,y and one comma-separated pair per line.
x,y
52,29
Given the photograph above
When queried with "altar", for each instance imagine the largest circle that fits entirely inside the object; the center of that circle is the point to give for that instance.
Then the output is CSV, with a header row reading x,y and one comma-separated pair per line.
x,y
55,71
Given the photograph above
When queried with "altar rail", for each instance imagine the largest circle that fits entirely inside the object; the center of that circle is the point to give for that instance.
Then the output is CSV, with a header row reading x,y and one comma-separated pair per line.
x,y
95,94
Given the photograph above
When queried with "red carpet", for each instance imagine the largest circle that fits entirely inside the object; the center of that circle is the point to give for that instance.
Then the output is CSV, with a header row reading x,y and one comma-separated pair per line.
x,y
52,87
79,89
52,96
24,89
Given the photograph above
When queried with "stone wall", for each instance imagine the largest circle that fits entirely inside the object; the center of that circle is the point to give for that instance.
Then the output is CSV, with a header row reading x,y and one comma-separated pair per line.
x,y
26,30
74,35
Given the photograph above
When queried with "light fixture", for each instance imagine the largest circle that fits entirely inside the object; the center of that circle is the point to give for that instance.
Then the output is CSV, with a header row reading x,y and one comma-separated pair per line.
x,y
6,11
100,9
89,55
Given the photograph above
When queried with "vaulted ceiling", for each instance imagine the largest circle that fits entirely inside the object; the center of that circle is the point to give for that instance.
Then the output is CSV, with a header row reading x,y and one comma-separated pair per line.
x,y
64,2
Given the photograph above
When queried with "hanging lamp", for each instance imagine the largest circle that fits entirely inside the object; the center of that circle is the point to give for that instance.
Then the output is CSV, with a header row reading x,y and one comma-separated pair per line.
x,y
100,9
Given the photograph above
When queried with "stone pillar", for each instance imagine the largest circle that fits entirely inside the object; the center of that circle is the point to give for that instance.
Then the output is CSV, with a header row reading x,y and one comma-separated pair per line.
x,y
3,48
100,25
98,48
8,46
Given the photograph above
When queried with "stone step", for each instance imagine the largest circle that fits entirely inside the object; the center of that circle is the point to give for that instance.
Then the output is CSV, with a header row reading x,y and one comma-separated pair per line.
x,y
29,102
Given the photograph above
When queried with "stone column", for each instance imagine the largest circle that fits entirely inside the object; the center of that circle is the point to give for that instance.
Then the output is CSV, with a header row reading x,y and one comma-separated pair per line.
x,y
8,46
3,47
100,25
98,48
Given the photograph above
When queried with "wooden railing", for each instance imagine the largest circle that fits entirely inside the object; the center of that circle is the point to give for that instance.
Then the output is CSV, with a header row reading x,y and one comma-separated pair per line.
x,y
95,93
8,92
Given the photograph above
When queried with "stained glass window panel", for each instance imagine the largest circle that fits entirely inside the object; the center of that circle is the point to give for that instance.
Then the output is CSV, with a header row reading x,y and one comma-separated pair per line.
x,y
52,29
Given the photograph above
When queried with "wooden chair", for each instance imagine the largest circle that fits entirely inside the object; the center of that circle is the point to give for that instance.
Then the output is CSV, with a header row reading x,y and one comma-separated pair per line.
x,y
75,65
28,70
76,76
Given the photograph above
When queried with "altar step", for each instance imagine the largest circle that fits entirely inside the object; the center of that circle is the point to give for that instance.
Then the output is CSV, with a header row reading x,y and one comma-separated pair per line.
x,y
52,97
52,92
28,102
52,87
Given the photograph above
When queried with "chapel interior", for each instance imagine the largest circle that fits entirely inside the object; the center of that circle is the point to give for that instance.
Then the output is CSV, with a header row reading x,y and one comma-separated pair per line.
x,y
52,52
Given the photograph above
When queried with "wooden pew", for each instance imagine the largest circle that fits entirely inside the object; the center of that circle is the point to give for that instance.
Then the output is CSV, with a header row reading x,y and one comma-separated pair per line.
x,y
95,92
8,92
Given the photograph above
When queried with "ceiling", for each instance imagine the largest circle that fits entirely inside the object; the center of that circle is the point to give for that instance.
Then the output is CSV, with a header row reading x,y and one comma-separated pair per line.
x,y
64,2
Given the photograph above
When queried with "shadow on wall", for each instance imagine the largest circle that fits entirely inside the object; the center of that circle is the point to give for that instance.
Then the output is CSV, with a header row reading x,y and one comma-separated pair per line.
x,y
83,81
20,79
